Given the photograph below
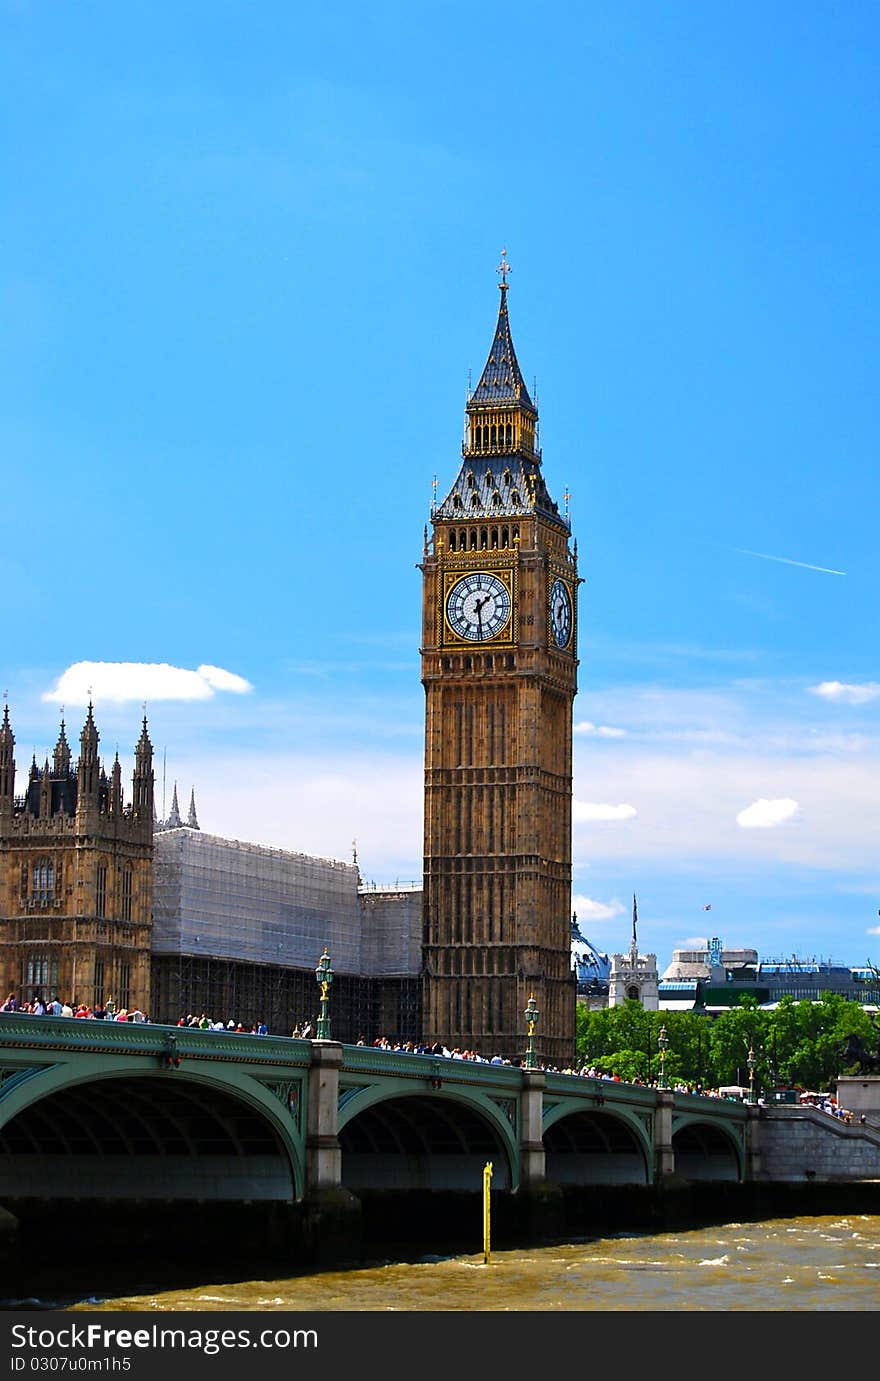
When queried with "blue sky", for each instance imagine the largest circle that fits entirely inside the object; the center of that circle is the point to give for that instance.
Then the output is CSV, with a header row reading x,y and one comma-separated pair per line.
x,y
248,261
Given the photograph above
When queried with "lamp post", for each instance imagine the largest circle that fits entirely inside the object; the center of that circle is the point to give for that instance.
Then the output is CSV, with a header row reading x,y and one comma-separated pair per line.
x,y
662,1042
533,1016
324,977
751,1062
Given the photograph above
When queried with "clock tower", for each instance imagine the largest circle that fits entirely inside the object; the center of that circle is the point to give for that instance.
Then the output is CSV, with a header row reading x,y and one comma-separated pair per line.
x,y
499,668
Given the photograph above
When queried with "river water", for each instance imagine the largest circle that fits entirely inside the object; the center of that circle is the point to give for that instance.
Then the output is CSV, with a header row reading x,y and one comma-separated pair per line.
x,y
785,1265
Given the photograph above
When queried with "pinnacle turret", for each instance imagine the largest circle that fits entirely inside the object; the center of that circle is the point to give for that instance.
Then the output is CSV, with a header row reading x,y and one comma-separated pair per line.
x,y
192,819
7,761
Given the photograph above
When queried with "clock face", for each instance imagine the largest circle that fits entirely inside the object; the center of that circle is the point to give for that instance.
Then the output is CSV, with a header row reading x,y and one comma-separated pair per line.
x,y
478,606
560,613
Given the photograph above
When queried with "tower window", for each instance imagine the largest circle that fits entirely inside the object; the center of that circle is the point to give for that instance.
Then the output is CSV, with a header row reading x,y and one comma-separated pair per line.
x,y
123,998
43,882
470,479
489,479
508,477
39,977
101,891
126,895
505,537
514,496
475,501
474,533
98,991
456,501
452,541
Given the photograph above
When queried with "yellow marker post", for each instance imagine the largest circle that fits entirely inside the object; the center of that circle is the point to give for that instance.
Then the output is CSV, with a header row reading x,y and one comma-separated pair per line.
x,y
487,1180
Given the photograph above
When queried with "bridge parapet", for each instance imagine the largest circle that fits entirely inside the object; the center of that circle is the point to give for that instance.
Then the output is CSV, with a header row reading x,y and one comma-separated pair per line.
x,y
72,1034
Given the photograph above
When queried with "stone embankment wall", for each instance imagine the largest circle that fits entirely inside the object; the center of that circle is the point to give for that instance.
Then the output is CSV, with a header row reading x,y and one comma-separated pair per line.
x,y
808,1144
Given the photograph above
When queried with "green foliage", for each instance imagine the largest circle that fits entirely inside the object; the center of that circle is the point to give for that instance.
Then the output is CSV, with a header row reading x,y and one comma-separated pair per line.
x,y
798,1043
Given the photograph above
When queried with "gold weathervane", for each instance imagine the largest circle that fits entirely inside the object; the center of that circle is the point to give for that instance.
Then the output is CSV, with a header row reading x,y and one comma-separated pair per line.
x,y
503,268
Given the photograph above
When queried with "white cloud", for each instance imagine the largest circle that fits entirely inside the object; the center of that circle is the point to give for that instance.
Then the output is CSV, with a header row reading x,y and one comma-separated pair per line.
x,y
584,811
763,814
873,930
589,910
146,681
598,730
847,693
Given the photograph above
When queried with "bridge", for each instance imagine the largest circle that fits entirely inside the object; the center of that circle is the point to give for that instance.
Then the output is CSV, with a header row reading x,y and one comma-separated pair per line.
x,y
120,1111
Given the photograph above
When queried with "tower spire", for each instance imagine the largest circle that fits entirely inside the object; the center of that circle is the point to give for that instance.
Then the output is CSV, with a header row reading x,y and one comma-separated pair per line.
x,y
500,477
174,819
7,761
192,819
634,944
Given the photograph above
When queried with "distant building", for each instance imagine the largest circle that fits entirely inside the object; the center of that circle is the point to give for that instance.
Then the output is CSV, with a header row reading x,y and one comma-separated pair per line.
x,y
634,976
592,968
713,979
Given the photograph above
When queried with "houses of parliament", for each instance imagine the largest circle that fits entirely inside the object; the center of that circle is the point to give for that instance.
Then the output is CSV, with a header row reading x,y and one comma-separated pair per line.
x,y
99,899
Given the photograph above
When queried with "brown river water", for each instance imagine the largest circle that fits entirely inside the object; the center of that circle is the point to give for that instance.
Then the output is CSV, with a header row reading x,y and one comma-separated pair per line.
x,y
785,1265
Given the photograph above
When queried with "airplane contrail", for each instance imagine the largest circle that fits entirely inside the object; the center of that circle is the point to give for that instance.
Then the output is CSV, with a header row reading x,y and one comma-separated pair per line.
x,y
786,560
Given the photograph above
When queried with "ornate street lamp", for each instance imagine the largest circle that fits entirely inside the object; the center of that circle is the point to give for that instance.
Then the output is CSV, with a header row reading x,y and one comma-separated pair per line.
x,y
662,1042
533,1016
751,1062
324,977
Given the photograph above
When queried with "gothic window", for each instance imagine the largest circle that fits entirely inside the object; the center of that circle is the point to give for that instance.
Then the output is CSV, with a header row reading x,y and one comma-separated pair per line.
x,y
514,496
123,998
456,501
39,976
101,891
126,895
475,501
24,880
505,537
484,539
98,991
633,992
470,479
489,479
474,531
44,881
496,499
452,541
509,434
508,477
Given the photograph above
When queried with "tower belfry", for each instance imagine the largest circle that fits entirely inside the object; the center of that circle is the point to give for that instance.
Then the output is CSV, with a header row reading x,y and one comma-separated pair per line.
x,y
499,668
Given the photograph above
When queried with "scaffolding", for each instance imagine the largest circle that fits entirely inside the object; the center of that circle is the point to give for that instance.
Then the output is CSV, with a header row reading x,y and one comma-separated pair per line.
x,y
238,930
362,1005
224,899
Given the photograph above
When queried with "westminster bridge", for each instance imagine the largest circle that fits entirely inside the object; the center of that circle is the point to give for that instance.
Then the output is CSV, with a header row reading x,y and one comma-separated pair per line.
x,y
125,1111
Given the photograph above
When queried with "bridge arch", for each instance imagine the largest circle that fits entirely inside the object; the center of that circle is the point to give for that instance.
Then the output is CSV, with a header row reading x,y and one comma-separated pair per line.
x,y
589,1146
143,1134
707,1150
397,1137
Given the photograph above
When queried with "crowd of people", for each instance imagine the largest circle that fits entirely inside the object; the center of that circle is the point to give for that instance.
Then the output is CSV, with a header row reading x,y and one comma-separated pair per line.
x,y
108,1011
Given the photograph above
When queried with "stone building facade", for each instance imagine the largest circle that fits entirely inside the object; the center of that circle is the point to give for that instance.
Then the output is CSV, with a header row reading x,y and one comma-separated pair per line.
x,y
76,876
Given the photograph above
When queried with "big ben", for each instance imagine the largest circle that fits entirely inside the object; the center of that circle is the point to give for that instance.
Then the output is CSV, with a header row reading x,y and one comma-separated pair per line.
x,y
499,668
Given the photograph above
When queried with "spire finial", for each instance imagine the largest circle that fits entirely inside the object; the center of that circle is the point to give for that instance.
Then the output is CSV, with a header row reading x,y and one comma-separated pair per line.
x,y
503,269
